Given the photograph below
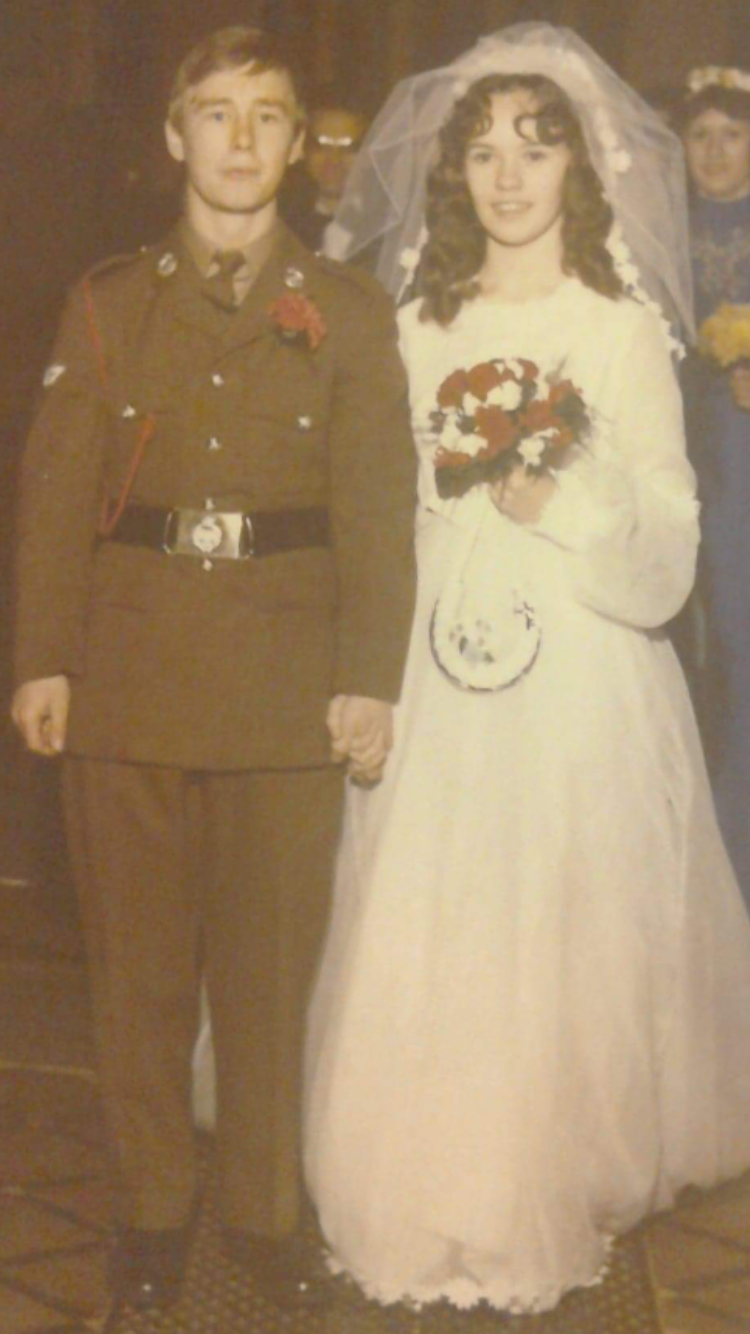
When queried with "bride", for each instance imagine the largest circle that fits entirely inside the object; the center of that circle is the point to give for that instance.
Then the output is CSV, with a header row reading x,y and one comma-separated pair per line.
x,y
531,1026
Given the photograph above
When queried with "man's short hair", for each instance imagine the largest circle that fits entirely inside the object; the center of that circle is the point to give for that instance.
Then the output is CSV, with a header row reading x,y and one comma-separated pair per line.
x,y
233,48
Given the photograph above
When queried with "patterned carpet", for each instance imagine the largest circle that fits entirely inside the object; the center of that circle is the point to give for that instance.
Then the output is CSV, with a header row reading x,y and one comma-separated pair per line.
x,y
56,1206
55,1231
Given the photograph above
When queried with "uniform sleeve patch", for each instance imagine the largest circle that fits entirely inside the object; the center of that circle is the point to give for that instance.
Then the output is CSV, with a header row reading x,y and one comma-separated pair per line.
x,y
53,374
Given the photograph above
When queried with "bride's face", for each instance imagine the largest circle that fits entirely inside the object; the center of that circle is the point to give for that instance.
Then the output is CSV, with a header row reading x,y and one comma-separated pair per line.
x,y
515,182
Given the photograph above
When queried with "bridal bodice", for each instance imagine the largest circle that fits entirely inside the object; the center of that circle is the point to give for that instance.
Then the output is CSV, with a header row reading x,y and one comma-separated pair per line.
x,y
624,512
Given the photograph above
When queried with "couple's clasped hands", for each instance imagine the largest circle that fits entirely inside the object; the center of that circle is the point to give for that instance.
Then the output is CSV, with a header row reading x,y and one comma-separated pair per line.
x,y
361,733
362,729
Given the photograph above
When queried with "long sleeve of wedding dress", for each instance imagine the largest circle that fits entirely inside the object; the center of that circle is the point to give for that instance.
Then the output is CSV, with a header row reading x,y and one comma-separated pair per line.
x,y
626,509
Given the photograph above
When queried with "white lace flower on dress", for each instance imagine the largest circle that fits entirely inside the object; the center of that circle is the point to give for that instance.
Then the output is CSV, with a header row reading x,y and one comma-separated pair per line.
x,y
409,259
629,275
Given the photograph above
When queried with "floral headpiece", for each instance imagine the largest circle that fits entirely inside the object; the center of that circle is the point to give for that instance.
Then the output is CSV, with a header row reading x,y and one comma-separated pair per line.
x,y
718,76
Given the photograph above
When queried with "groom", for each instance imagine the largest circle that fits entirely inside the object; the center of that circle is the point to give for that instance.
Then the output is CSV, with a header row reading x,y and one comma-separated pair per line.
x,y
215,583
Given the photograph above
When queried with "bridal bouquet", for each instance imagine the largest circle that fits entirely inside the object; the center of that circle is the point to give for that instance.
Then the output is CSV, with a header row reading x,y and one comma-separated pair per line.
x,y
498,414
725,336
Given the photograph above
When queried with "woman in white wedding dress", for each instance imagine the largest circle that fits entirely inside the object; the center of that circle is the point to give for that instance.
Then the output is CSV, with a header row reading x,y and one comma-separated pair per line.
x,y
531,1025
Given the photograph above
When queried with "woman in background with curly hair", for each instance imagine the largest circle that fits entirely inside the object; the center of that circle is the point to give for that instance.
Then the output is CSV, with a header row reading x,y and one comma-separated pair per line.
x,y
531,1025
716,131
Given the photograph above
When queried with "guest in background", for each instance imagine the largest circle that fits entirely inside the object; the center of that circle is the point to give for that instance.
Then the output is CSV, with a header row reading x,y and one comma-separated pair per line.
x,y
334,134
716,131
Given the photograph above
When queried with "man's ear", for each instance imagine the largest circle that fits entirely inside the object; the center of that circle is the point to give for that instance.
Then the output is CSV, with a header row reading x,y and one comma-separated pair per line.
x,y
175,142
298,146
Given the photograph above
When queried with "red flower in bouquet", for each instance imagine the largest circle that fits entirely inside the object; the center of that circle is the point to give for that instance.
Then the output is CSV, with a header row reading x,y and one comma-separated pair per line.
x,y
298,319
498,428
498,414
452,390
482,379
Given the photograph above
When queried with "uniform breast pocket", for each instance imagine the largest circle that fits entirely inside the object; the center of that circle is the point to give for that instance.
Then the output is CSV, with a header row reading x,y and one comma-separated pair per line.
x,y
293,442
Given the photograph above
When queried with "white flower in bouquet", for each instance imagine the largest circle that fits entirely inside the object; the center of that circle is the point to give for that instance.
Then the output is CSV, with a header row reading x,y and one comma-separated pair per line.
x,y
507,395
532,449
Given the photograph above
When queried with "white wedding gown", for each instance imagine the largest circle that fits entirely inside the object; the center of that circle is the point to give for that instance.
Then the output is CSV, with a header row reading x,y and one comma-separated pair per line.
x,y
531,1025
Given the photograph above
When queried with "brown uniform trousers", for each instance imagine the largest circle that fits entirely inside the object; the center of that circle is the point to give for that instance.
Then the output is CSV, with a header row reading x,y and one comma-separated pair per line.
x,y
201,804
228,873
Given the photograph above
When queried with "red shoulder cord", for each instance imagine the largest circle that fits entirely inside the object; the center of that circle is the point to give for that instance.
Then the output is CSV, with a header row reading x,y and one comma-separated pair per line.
x,y
112,510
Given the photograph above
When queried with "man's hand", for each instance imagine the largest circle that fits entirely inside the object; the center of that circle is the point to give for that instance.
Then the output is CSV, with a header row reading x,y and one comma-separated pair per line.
x,y
740,383
40,712
361,731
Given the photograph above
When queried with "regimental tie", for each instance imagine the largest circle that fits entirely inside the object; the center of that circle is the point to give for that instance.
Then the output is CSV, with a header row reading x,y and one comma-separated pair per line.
x,y
219,285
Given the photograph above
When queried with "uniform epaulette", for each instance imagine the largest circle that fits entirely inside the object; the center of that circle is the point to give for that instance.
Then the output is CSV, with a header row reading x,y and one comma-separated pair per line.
x,y
350,272
113,263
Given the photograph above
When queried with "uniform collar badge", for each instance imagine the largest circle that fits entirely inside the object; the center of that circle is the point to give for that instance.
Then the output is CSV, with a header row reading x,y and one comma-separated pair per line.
x,y
294,278
167,264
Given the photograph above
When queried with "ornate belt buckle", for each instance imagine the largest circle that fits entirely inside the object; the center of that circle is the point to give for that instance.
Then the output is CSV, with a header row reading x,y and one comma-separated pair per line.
x,y
208,533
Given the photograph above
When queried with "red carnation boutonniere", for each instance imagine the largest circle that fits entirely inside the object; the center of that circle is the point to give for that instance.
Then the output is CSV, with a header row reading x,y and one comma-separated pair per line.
x,y
298,320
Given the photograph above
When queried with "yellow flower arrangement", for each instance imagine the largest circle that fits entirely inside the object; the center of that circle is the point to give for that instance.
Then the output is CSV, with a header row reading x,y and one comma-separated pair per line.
x,y
725,335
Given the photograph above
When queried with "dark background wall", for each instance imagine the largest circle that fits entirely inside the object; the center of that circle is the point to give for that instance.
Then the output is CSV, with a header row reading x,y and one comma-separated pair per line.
x,y
118,50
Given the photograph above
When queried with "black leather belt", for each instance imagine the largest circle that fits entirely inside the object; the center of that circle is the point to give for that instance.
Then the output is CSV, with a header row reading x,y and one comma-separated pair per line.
x,y
222,535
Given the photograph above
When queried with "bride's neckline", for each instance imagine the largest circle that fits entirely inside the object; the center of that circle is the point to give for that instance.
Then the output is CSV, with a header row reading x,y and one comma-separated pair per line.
x,y
485,299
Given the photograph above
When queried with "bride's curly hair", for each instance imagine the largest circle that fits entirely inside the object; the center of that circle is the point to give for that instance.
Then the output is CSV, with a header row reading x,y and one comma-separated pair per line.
x,y
457,242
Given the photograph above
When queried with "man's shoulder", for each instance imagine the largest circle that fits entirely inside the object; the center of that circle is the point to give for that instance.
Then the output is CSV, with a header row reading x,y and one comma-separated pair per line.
x,y
350,284
131,271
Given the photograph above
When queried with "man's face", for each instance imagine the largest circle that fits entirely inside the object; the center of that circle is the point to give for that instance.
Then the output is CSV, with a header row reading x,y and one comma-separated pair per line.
x,y
239,132
332,141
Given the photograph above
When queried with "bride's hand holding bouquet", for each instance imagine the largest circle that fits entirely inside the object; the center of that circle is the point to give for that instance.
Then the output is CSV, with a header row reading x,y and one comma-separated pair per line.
x,y
521,494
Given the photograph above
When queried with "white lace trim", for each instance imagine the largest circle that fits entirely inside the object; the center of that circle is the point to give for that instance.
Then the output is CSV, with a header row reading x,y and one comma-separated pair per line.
x,y
465,1292
629,275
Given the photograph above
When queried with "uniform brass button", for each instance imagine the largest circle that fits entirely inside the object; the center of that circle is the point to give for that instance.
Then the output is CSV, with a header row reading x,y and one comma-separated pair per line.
x,y
305,423
207,565
217,380
213,445
129,411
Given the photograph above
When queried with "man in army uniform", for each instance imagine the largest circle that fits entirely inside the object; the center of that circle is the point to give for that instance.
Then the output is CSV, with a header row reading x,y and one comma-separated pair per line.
x,y
215,562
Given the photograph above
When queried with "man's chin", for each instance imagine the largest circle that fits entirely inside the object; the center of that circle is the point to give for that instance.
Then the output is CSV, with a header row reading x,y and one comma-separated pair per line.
x,y
239,205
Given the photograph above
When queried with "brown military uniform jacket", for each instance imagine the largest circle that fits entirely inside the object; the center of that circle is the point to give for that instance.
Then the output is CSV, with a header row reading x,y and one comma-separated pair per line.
x,y
233,666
